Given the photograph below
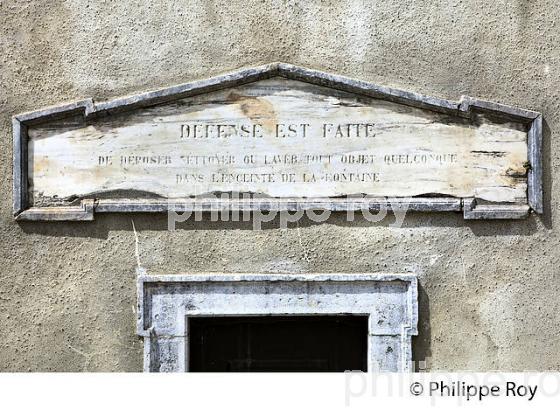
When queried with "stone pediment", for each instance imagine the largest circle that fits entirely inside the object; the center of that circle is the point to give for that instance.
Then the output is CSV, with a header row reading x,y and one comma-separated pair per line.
x,y
277,137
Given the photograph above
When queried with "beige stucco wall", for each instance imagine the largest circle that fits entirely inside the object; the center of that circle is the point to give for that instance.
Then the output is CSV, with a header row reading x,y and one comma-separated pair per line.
x,y
489,297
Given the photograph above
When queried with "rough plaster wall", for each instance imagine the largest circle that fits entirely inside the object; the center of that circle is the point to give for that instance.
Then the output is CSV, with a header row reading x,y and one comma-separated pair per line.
x,y
489,297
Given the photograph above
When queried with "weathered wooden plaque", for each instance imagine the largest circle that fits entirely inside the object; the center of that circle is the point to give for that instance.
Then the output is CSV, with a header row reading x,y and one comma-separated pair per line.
x,y
277,137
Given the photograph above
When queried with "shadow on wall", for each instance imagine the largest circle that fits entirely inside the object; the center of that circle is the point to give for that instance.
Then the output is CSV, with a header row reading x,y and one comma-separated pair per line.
x,y
105,223
546,217
422,344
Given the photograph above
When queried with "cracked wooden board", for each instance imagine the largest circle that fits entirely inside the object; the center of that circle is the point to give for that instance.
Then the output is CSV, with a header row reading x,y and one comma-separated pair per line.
x,y
282,137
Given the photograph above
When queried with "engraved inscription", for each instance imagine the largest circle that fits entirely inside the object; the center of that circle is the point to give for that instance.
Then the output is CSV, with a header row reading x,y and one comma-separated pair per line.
x,y
280,138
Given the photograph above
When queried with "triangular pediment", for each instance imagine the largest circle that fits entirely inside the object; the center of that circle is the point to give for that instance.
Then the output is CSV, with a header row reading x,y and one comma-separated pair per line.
x,y
277,133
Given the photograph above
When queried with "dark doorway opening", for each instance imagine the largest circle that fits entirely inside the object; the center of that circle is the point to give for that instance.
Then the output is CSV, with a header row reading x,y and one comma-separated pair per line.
x,y
278,344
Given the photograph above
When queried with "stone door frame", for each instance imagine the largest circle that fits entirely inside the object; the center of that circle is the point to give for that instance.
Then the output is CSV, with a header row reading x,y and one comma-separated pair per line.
x,y
165,302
